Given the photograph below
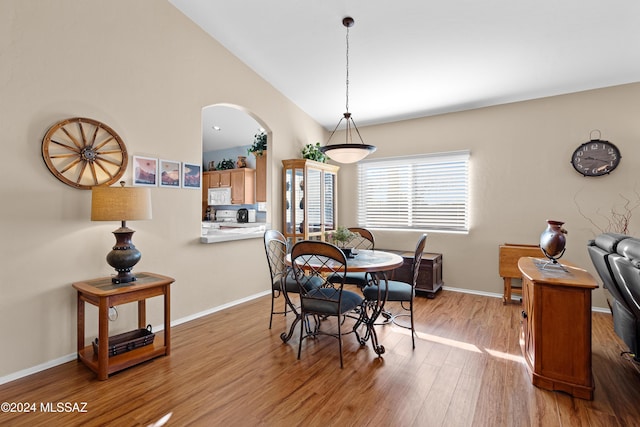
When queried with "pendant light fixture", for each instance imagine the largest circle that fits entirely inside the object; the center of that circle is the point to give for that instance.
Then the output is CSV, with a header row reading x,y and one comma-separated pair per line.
x,y
348,152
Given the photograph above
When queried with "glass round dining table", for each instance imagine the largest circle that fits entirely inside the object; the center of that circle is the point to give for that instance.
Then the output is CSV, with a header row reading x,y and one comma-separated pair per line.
x,y
377,263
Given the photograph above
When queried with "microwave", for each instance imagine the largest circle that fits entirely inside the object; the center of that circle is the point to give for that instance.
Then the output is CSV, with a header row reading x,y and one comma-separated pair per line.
x,y
220,196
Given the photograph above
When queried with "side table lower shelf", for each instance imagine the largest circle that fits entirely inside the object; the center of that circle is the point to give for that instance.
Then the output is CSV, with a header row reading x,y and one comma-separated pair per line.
x,y
124,360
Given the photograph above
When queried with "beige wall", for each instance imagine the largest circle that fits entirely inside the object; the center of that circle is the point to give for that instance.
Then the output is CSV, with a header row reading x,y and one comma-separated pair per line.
x,y
145,70
520,176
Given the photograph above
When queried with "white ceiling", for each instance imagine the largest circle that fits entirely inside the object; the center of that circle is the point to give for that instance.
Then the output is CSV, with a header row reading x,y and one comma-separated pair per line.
x,y
414,58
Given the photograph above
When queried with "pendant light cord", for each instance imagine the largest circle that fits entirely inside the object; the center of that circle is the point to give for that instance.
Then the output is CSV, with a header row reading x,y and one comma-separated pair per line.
x,y
348,22
347,81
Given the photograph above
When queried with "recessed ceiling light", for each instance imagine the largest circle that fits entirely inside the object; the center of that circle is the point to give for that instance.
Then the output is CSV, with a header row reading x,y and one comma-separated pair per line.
x,y
215,128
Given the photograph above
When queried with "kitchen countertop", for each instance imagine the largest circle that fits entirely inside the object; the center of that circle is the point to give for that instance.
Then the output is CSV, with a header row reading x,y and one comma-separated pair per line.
x,y
214,232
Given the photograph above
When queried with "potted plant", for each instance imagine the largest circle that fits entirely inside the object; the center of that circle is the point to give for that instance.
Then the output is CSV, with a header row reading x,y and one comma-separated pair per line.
x,y
341,237
259,144
225,164
312,152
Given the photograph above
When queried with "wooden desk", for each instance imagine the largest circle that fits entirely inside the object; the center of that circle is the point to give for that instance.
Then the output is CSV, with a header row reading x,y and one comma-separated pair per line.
x,y
508,265
104,294
556,326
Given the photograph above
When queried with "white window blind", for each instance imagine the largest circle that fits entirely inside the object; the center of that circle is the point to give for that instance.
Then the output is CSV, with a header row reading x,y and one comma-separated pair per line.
x,y
418,192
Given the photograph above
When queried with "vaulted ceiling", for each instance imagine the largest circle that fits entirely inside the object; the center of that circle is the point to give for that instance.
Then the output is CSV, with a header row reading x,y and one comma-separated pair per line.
x,y
413,58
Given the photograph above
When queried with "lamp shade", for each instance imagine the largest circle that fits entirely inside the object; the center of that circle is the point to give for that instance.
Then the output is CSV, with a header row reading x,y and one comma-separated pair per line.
x,y
120,203
348,153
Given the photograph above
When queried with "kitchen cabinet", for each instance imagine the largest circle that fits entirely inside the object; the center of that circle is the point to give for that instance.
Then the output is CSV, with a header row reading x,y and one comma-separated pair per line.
x,y
243,186
261,177
310,191
242,182
217,179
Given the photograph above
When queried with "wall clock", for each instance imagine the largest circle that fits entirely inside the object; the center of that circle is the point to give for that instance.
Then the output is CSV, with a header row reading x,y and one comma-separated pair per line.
x,y
84,153
596,158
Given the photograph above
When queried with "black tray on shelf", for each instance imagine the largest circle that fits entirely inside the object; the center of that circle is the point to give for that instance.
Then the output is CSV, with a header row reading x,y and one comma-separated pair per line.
x,y
127,341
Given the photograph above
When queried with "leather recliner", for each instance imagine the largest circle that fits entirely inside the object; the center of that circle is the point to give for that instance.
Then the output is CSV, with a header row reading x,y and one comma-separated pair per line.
x,y
616,258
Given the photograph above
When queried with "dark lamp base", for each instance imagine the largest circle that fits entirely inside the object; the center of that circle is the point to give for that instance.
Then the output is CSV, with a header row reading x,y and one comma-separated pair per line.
x,y
123,256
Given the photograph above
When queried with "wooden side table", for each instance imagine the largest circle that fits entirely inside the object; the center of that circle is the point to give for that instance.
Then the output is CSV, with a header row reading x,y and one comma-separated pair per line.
x,y
104,294
556,326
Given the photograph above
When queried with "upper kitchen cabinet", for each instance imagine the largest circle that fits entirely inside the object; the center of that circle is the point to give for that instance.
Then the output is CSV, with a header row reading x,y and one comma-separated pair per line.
x,y
261,177
242,182
243,186
309,199
219,178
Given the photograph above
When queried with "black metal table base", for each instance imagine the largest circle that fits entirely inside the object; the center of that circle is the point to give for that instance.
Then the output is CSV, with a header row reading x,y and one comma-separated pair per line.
x,y
368,312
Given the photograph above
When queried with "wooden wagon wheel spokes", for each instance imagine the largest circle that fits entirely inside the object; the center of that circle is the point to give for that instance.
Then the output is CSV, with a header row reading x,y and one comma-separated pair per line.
x,y
80,161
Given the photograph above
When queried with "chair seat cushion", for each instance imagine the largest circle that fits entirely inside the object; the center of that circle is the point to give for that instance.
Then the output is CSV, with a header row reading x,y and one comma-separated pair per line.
x,y
398,291
360,279
326,301
291,285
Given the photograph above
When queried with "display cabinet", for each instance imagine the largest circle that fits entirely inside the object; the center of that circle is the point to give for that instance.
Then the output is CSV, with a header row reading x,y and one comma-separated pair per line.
x,y
309,199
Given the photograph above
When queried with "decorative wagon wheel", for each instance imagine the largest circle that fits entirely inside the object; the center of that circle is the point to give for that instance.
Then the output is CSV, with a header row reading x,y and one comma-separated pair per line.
x,y
84,153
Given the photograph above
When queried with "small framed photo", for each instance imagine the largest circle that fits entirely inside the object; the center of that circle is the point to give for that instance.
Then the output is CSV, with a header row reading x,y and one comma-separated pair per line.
x,y
169,174
145,171
191,175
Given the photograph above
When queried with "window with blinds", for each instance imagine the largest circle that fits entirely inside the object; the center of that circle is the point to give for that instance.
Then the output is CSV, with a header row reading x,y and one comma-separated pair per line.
x,y
426,192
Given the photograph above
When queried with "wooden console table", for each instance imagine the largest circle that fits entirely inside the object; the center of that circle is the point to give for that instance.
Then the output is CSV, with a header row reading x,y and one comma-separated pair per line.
x,y
556,326
104,294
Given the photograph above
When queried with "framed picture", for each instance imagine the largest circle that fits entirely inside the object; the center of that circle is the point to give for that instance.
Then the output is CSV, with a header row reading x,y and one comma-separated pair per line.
x,y
145,171
169,174
191,175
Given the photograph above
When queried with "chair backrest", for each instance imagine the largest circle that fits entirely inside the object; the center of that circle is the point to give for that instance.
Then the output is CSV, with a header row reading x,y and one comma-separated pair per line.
x,y
626,271
363,240
417,257
602,250
275,246
313,261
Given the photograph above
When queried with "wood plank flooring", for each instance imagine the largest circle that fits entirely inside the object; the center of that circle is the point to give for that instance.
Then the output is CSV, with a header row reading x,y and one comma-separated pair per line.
x,y
229,369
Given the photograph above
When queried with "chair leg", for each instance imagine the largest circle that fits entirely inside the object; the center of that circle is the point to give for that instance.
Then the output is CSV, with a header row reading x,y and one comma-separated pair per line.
x,y
272,307
340,340
413,329
302,323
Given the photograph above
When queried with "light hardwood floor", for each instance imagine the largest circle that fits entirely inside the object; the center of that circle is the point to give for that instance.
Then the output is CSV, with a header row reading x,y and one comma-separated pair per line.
x,y
229,369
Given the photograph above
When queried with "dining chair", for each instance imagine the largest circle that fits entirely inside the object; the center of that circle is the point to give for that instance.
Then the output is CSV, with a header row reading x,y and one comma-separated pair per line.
x,y
282,280
316,260
401,292
362,239
275,246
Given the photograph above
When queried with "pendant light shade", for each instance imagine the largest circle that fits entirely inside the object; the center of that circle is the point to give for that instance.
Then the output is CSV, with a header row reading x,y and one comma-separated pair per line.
x,y
348,152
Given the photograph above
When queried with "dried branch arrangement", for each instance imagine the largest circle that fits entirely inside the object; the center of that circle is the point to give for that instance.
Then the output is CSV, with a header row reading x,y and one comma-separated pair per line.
x,y
617,220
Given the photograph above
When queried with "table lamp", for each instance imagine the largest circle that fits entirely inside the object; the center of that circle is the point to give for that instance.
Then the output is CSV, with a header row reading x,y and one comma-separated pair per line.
x,y
121,204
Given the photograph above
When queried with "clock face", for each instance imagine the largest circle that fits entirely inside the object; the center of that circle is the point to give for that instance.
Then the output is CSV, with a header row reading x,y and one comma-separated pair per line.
x,y
595,158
